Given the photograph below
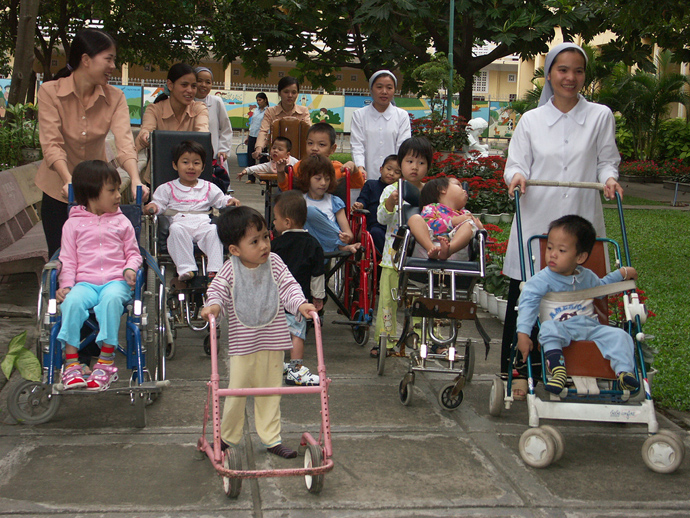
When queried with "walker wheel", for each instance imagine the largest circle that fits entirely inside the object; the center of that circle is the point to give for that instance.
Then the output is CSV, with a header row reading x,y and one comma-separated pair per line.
x,y
450,397
537,448
313,458
231,461
558,440
32,402
662,453
405,391
381,361
207,345
496,397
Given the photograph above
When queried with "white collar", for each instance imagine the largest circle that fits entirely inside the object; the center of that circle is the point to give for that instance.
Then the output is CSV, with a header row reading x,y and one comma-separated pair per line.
x,y
579,112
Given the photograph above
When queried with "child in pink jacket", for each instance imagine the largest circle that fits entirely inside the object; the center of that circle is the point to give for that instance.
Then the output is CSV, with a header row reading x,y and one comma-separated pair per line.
x,y
100,257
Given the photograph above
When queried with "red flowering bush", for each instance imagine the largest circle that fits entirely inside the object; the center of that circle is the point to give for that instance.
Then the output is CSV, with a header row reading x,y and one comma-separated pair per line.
x,y
443,134
673,168
488,192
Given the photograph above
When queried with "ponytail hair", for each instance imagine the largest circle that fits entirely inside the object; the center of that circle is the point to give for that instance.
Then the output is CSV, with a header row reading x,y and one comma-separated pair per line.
x,y
87,41
174,73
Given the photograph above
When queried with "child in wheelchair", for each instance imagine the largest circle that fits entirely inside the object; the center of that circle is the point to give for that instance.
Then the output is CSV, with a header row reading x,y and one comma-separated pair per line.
x,y
326,217
191,199
444,228
100,256
280,157
368,198
569,243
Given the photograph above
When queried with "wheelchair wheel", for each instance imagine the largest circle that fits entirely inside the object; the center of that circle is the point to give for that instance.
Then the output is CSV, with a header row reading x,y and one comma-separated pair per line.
x,y
662,453
360,333
313,458
669,433
32,402
537,447
232,461
157,327
381,360
406,388
140,400
449,398
496,397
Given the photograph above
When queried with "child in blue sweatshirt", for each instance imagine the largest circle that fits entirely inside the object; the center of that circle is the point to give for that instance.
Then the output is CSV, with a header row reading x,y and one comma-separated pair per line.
x,y
569,243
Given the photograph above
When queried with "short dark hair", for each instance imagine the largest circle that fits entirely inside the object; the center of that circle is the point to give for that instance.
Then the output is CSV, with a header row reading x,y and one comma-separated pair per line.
x,y
578,227
288,142
292,204
417,146
189,146
432,190
233,223
287,81
323,127
179,70
89,177
311,166
262,95
390,158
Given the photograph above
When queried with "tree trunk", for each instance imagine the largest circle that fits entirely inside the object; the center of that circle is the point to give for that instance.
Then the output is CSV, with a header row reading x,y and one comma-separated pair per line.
x,y
465,104
24,51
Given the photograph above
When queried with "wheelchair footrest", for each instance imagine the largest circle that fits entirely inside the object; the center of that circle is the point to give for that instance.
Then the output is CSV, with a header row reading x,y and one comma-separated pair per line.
x,y
351,323
435,308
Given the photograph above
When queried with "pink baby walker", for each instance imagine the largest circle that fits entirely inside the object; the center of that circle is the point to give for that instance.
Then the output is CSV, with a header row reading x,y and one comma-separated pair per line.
x,y
228,464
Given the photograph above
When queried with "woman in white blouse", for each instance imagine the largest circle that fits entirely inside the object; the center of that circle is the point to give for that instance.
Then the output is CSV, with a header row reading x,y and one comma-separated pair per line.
x,y
377,130
218,121
568,139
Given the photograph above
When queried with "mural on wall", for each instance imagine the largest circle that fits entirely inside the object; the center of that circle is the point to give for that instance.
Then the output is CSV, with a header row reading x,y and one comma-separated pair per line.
x,y
334,109
4,94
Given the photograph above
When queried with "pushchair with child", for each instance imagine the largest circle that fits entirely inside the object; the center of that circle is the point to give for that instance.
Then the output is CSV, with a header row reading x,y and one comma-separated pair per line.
x,y
351,279
36,402
592,392
181,301
439,294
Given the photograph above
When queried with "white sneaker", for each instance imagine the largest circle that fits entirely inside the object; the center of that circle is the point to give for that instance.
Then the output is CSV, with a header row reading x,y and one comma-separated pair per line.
x,y
301,377
286,367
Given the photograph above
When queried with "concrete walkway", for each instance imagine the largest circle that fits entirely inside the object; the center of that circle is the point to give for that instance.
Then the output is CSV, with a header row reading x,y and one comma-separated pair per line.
x,y
390,460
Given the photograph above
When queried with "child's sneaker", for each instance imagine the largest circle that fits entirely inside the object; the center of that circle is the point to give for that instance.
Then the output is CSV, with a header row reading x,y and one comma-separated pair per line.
x,y
301,377
628,381
286,368
101,377
73,377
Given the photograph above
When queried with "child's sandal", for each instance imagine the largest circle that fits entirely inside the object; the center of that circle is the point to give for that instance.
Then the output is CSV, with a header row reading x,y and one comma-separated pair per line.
x,y
73,377
101,377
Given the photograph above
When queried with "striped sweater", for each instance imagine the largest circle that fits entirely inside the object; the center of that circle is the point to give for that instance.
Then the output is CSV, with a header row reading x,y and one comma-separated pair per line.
x,y
275,336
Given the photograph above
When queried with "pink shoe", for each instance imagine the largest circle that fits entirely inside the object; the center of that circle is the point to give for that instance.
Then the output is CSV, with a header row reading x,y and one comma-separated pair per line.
x,y
73,377
101,377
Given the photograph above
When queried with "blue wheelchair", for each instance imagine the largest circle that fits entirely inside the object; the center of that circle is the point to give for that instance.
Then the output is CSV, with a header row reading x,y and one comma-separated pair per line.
x,y
36,402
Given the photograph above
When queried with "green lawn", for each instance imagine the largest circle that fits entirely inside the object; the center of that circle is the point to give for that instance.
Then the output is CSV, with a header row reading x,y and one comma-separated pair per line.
x,y
659,247
632,200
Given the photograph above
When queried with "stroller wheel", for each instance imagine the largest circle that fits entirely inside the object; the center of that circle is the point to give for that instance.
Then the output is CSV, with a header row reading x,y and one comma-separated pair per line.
x,y
537,448
449,397
313,458
231,461
662,453
557,439
381,360
405,390
496,397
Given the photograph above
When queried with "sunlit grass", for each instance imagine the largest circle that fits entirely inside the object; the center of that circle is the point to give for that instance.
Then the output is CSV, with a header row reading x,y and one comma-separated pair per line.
x,y
659,246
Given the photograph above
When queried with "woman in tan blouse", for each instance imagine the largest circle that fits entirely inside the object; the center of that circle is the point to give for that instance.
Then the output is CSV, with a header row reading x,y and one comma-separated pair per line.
x,y
75,114
288,90
177,112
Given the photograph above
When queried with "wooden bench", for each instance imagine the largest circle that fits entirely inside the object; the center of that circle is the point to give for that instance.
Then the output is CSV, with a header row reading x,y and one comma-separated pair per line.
x,y
23,246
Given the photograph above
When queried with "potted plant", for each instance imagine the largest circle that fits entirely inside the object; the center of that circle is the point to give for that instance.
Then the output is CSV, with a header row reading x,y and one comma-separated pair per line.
x,y
21,130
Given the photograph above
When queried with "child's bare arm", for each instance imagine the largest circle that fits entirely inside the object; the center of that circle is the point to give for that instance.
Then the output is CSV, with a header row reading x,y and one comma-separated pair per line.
x,y
392,201
346,235
524,345
628,273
